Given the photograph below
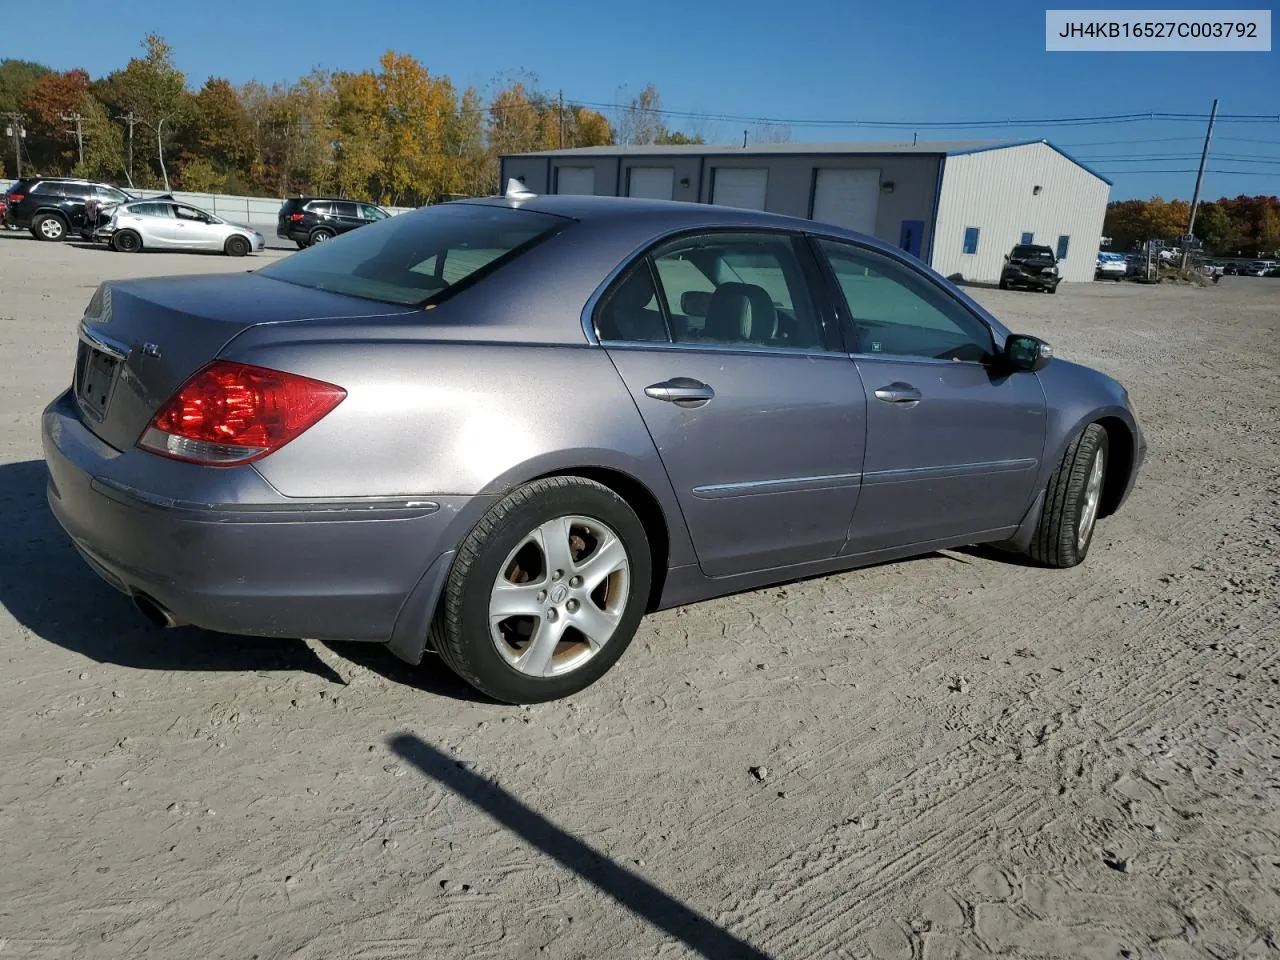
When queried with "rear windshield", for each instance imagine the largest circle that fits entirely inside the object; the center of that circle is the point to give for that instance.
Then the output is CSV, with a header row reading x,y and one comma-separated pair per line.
x,y
417,257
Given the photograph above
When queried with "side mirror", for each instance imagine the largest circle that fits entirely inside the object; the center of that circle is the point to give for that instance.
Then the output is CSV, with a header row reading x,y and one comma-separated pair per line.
x,y
1026,354
695,303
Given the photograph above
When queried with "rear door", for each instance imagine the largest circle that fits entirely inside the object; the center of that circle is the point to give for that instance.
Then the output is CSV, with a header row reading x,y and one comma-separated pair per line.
x,y
756,412
953,448
347,215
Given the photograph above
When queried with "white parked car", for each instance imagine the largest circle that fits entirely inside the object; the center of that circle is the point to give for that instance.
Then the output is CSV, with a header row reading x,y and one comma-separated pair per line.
x,y
164,224
1110,266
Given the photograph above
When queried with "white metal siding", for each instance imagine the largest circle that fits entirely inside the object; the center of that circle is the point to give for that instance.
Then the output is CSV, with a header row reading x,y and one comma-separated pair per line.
x,y
847,198
652,183
577,180
740,187
994,191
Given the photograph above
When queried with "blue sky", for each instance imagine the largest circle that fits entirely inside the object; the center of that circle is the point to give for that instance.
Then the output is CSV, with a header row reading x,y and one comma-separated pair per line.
x,y
805,60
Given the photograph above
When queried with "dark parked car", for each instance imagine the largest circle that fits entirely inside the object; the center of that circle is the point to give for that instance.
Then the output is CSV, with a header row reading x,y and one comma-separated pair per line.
x,y
504,430
52,207
308,220
1031,266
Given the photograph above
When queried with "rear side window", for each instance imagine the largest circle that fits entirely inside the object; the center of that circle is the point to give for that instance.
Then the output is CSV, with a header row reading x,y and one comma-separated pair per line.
x,y
323,208
417,258
345,210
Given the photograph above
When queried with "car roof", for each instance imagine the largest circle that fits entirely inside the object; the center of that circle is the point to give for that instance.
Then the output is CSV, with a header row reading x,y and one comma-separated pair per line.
x,y
658,214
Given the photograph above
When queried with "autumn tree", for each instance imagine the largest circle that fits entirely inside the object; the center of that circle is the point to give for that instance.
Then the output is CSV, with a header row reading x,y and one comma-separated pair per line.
x,y
216,142
51,140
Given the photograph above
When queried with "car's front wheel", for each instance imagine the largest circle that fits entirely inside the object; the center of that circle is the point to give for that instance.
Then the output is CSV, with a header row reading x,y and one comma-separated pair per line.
x,y
236,247
1072,501
546,591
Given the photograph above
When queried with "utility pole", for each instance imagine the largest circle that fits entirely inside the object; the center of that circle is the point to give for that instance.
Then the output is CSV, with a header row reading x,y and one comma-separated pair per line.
x,y
561,120
160,150
1195,198
17,131
79,131
130,120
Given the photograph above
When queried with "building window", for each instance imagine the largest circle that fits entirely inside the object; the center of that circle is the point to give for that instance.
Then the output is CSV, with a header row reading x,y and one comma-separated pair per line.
x,y
1028,237
970,239
1063,243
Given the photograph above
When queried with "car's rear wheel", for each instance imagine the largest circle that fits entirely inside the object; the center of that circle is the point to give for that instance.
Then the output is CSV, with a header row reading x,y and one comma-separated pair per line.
x,y
1072,501
321,235
546,591
236,246
49,226
126,241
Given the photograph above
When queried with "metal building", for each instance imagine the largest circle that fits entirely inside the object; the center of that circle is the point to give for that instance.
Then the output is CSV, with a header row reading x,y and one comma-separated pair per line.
x,y
959,206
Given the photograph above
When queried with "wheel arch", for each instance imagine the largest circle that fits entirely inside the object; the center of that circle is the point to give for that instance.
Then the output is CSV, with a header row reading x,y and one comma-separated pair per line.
x,y
1121,453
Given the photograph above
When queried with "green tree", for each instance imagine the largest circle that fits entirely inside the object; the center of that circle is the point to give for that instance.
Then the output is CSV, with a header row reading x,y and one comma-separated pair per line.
x,y
153,89
1213,227
103,142
16,78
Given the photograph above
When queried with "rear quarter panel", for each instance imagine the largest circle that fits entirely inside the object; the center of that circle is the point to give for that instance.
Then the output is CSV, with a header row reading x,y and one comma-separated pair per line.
x,y
427,418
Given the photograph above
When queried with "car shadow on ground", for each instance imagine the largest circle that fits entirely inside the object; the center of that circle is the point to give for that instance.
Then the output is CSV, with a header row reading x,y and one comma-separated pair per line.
x,y
629,889
49,590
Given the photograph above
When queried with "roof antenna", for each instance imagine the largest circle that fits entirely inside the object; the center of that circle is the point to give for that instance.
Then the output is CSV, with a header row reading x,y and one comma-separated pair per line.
x,y
913,137
518,191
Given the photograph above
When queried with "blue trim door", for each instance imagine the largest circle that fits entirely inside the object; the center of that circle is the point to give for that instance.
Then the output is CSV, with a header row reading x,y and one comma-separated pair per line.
x,y
911,236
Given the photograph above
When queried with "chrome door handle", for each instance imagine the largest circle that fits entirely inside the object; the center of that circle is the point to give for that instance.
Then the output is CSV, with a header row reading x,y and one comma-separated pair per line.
x,y
682,390
899,392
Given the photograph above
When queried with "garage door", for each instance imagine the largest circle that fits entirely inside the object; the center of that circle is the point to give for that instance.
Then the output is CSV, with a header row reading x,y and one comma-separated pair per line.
x,y
847,198
740,188
652,183
580,180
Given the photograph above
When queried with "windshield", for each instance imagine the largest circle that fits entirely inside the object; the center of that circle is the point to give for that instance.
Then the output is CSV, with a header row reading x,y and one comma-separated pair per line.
x,y
1032,253
417,257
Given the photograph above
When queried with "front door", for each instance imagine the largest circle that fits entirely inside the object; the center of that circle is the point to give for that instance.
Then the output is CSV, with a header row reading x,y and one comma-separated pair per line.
x,y
756,413
910,237
953,450
193,229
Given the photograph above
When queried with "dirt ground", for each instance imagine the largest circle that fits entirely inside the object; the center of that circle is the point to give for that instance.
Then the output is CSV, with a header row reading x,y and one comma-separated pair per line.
x,y
962,756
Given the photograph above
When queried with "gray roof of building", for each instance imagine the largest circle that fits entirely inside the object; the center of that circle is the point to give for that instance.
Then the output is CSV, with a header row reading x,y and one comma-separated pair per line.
x,y
924,148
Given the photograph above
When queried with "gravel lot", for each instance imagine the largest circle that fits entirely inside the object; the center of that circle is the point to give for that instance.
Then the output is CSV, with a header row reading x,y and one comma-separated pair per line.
x,y
959,756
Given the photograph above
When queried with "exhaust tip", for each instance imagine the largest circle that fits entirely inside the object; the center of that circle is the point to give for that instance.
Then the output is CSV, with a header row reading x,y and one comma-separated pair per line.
x,y
156,614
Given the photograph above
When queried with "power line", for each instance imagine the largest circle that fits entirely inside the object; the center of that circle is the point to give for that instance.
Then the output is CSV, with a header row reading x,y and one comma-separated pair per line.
x,y
1229,173
1230,158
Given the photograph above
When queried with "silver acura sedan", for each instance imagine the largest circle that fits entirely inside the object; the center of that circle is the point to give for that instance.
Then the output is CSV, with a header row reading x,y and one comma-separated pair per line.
x,y
165,224
502,430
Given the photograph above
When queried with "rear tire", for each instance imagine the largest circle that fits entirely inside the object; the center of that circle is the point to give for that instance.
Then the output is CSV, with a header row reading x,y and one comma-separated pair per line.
x,y
320,236
49,227
511,558
126,241
236,247
1072,501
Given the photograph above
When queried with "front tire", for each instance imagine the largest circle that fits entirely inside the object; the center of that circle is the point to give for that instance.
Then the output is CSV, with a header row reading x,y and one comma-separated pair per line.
x,y
49,227
1072,501
126,241
236,247
546,591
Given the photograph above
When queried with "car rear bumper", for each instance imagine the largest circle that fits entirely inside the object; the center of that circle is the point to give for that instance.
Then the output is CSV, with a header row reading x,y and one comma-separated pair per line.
x,y
328,571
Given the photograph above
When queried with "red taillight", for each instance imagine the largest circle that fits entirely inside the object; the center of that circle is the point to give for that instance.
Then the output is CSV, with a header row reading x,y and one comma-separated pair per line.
x,y
295,217
17,197
232,413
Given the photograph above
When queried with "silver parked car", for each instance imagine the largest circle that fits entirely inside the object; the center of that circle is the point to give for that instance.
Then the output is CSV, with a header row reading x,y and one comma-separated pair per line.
x,y
166,224
505,429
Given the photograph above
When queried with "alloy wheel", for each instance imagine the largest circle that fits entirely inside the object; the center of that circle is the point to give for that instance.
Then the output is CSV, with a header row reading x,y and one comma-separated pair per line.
x,y
559,596
1092,497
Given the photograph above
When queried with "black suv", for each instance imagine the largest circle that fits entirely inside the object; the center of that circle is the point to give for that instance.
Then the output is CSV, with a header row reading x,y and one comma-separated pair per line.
x,y
1031,266
308,220
50,207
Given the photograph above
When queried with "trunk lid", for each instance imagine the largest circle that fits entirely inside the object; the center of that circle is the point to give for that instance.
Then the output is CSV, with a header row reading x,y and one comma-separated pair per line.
x,y
141,339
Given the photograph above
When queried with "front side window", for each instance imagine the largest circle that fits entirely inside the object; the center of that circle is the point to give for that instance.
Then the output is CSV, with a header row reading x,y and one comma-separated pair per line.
x,y
189,213
418,258
970,240
898,311
369,212
738,290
